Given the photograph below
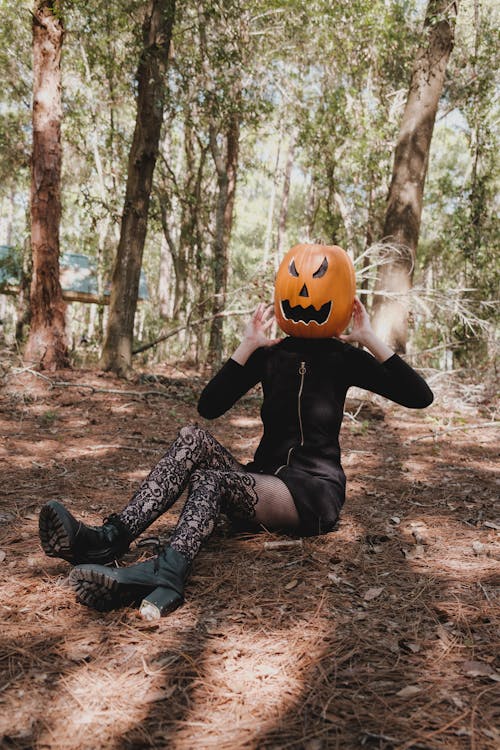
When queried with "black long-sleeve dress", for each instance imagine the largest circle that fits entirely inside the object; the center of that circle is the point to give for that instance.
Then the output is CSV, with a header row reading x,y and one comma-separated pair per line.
x,y
304,383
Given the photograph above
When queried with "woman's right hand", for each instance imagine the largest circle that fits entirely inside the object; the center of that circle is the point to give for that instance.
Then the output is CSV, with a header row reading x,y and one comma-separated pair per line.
x,y
255,333
258,325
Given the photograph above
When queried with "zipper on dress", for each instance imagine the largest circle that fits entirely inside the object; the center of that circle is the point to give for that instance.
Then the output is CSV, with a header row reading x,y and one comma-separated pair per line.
x,y
302,372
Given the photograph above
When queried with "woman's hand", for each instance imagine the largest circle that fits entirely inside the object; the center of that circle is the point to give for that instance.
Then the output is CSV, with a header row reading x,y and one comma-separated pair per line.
x,y
363,333
259,323
361,327
255,333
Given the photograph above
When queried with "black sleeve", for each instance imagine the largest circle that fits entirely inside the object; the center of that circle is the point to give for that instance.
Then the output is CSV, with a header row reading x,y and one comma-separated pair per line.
x,y
394,378
229,384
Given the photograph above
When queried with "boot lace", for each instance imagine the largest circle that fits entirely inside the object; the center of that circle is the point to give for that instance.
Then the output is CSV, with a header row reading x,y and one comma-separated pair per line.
x,y
158,547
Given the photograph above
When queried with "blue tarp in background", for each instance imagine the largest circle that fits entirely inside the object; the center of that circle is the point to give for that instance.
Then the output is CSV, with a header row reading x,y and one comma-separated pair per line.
x,y
78,274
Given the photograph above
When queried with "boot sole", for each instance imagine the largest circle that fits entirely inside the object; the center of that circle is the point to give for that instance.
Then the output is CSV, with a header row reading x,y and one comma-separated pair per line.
x,y
58,538
54,537
103,592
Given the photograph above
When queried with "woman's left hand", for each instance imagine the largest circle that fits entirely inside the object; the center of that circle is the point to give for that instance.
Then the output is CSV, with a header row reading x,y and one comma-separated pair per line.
x,y
361,327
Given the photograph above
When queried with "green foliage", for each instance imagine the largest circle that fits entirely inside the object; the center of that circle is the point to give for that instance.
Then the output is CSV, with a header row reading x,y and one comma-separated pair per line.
x,y
460,233
333,76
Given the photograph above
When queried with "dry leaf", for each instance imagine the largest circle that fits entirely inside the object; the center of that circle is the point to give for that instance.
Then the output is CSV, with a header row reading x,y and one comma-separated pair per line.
x,y
372,593
158,694
492,525
315,744
414,552
334,578
493,734
419,532
480,669
3,555
409,691
291,585
409,646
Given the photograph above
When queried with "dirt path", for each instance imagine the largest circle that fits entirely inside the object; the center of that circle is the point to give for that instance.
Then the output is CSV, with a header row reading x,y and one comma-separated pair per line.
x,y
378,635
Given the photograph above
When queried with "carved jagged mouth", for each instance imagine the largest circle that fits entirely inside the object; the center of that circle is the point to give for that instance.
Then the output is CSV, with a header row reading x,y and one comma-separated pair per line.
x,y
306,315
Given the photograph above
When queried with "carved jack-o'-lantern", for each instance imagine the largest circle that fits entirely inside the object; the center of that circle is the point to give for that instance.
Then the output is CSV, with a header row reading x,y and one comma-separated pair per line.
x,y
314,291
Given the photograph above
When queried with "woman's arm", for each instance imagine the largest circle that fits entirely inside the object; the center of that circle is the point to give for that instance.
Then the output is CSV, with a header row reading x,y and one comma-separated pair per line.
x,y
382,371
242,371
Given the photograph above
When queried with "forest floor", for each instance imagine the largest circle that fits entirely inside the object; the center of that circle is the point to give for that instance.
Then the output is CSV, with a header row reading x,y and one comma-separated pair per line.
x,y
382,634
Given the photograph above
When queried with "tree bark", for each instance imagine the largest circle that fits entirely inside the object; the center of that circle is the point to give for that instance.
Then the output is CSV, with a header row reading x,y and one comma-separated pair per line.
x,y
227,169
165,274
151,77
181,194
404,204
46,346
284,201
272,202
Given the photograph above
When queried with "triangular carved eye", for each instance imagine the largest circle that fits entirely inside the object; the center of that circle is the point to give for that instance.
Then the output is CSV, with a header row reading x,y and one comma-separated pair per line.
x,y
292,269
321,270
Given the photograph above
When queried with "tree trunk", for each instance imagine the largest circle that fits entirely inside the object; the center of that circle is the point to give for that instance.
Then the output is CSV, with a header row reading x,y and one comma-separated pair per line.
x,y
272,202
311,210
151,77
164,291
284,201
23,306
363,287
46,346
227,169
404,205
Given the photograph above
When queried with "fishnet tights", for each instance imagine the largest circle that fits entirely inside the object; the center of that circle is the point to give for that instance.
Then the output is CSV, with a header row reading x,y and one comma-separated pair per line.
x,y
216,483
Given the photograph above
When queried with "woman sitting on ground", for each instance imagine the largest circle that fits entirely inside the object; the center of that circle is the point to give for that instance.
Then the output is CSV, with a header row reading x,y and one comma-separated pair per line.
x,y
295,483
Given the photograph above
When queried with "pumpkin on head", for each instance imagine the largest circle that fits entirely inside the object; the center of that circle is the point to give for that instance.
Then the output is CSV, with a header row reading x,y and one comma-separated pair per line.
x,y
314,291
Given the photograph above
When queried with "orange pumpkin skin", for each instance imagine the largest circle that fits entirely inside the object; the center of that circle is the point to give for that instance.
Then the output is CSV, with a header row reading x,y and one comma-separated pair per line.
x,y
314,291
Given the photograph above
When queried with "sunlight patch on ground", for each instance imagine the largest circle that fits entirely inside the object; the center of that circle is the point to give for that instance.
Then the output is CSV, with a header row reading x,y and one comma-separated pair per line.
x,y
449,547
95,702
261,675
249,422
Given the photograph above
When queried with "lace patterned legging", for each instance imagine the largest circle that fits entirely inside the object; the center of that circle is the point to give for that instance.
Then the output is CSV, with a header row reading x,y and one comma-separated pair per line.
x,y
216,483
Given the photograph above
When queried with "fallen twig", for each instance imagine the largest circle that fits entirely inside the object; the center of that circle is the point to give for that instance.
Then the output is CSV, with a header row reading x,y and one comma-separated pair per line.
x,y
453,429
116,391
284,544
134,448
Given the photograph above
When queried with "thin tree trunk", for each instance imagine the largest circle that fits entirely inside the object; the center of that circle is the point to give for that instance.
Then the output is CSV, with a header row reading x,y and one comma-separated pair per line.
x,y
272,202
8,218
284,201
476,193
46,346
363,296
311,210
227,169
347,221
23,306
151,76
177,253
164,292
404,206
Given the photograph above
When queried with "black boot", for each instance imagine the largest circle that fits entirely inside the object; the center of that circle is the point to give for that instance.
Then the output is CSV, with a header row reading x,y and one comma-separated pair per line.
x,y
159,582
63,536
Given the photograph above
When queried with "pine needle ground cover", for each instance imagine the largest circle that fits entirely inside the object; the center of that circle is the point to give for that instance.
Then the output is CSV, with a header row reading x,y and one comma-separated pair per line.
x,y
381,634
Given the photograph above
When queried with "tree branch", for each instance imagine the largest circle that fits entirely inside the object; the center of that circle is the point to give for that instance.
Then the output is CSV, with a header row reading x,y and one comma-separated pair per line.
x,y
201,321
